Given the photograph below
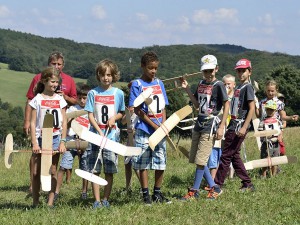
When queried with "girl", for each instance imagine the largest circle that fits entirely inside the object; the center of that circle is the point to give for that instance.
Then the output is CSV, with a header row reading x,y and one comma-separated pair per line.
x,y
47,101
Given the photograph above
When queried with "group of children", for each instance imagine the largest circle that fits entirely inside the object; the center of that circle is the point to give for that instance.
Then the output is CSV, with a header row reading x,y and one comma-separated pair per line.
x,y
105,105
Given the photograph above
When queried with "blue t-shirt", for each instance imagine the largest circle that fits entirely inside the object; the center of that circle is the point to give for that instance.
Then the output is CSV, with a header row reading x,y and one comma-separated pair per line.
x,y
159,97
104,104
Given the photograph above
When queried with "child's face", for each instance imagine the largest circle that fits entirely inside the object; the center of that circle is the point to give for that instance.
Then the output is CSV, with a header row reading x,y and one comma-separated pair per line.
x,y
243,74
51,84
81,100
270,112
150,70
271,91
106,79
210,74
229,84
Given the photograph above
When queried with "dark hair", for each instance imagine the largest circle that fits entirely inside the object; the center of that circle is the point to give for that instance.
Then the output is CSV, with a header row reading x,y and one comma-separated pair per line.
x,y
46,75
55,56
149,57
103,65
83,89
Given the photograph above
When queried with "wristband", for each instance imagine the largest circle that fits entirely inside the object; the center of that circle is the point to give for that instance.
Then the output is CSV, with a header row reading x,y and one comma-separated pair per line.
x,y
63,140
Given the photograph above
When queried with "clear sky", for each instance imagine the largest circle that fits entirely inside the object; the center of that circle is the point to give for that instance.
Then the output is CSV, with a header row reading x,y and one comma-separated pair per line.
x,y
267,25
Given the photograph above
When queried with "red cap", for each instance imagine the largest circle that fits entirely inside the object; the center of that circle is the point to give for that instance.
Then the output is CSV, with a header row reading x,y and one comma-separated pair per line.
x,y
243,63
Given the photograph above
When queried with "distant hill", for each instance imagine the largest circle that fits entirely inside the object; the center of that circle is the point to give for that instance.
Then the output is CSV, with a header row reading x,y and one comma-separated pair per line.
x,y
27,52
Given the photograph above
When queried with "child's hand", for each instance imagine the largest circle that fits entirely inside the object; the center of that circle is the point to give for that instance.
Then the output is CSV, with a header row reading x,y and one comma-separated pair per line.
x,y
36,149
111,122
241,132
295,117
62,147
184,83
219,133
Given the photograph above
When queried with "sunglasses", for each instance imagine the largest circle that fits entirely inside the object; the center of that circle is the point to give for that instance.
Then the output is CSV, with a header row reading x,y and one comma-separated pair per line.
x,y
208,71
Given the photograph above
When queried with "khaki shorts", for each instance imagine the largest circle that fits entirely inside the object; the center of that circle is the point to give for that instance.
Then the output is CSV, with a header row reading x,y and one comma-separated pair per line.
x,y
201,148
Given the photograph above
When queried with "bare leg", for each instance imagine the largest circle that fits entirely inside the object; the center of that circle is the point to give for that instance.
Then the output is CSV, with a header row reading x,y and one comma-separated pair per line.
x,y
60,177
109,177
144,178
128,175
55,160
68,175
159,174
35,162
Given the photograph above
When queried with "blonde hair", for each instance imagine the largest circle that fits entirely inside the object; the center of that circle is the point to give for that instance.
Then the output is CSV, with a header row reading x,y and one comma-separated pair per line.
x,y
102,66
46,75
271,83
229,77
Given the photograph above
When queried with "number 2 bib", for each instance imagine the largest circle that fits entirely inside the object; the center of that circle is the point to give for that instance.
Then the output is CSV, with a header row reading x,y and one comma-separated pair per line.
x,y
158,102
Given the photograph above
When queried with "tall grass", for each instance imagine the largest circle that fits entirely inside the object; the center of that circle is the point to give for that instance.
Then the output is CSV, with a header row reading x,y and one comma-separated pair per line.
x,y
275,201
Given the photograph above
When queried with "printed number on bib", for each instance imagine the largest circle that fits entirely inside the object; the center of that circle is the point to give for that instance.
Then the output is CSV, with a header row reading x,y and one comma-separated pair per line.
x,y
235,104
204,96
158,103
104,108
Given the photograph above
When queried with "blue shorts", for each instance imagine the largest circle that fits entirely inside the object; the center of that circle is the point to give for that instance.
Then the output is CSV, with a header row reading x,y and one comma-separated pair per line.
x,y
153,160
214,158
55,144
110,161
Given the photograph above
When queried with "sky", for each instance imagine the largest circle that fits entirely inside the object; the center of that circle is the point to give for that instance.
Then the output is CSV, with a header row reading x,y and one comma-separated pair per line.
x,y
265,25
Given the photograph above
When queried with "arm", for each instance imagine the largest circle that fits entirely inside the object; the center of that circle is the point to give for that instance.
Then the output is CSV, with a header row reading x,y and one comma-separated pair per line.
x,y
27,123
112,121
141,114
34,142
243,129
94,123
222,126
62,145
185,85
285,117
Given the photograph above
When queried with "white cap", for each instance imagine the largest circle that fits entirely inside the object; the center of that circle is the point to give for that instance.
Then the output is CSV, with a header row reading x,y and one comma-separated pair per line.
x,y
208,62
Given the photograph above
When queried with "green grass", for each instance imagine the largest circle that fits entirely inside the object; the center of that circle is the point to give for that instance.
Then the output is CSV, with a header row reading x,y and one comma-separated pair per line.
x,y
276,200
14,85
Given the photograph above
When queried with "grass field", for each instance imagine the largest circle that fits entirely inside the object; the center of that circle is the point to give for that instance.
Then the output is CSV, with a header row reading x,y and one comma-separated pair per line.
x,y
275,201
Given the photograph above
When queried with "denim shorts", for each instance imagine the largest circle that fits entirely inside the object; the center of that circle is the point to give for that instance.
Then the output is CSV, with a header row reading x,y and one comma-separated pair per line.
x,y
153,160
109,158
214,158
55,144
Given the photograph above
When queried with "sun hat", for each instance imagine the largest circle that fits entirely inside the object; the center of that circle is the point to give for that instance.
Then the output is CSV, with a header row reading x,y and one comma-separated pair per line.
x,y
279,95
243,63
271,105
208,62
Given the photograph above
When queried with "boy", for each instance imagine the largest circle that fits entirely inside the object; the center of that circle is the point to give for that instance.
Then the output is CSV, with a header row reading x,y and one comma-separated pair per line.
x,y
214,158
105,105
209,98
67,161
242,108
270,122
147,124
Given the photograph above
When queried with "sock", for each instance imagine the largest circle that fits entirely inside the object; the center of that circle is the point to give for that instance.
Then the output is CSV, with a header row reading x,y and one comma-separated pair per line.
x,y
198,178
208,177
145,192
156,190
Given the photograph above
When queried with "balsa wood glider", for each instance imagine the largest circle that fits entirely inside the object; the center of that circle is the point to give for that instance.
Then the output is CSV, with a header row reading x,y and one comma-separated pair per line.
x,y
175,82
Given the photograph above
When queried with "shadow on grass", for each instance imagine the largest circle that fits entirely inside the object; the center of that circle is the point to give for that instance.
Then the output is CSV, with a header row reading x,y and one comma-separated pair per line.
x,y
23,188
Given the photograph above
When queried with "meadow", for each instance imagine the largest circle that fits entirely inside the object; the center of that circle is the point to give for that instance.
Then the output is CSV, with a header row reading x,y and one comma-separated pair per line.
x,y
275,201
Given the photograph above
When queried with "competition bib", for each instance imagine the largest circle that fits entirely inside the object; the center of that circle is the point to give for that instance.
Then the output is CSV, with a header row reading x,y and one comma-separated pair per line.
x,y
83,121
104,108
158,102
204,96
52,107
271,124
235,105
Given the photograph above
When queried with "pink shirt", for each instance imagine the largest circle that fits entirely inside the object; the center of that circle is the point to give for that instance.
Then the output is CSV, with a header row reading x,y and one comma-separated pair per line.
x,y
68,86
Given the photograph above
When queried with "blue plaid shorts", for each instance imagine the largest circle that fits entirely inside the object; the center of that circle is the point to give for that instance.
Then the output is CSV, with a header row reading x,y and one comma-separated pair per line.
x,y
110,161
214,158
153,160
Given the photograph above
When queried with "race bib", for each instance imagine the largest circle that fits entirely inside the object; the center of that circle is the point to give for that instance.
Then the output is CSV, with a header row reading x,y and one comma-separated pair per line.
x,y
52,107
158,102
271,124
104,109
235,105
204,97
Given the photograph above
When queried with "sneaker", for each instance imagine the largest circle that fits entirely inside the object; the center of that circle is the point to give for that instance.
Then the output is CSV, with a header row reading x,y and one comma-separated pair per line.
x,y
105,204
247,188
83,195
191,195
56,195
160,198
147,200
97,205
214,193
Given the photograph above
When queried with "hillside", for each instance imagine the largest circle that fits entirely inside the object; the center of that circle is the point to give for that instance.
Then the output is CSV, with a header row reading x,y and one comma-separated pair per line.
x,y
26,52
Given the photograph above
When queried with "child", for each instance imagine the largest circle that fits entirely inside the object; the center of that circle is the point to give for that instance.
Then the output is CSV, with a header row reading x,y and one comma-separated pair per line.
x,y
209,97
128,159
271,90
47,101
67,161
146,125
270,146
242,108
105,105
